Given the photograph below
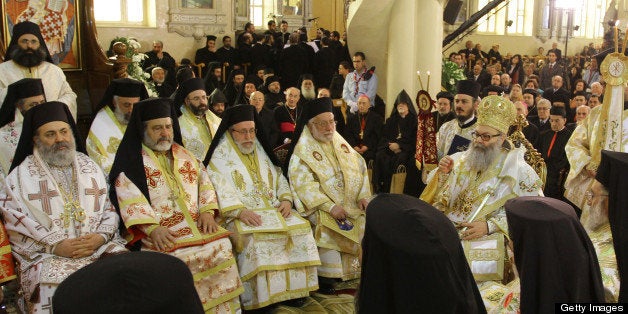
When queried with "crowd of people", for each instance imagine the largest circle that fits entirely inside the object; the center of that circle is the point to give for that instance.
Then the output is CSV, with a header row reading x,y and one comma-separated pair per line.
x,y
263,184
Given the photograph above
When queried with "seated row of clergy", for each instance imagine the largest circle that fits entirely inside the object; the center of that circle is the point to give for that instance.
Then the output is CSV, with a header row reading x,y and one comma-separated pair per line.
x,y
167,203
325,128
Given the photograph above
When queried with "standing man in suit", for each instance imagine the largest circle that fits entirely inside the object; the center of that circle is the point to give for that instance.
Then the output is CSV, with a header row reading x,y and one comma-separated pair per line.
x,y
556,51
550,70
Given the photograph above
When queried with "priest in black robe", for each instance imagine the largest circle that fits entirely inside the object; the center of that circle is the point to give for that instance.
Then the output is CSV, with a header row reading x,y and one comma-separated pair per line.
x,y
552,149
364,129
444,104
207,54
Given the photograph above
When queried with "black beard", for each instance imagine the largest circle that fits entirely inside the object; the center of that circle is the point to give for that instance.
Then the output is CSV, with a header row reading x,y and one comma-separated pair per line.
x,y
28,57
198,111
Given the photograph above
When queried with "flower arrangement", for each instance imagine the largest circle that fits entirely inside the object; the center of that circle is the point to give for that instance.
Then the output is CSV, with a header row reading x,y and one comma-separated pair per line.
x,y
451,75
134,69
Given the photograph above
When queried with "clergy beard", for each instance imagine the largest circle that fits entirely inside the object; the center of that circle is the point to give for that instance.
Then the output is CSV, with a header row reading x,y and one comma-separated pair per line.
x,y
28,57
461,117
54,155
246,147
481,157
308,94
198,110
122,117
322,136
161,145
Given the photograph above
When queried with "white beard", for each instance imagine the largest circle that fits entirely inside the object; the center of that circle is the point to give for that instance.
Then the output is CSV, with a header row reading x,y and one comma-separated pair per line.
x,y
480,157
308,94
246,150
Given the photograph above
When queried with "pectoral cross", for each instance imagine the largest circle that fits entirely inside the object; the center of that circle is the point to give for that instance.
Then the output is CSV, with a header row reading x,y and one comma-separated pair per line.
x,y
72,210
361,135
173,200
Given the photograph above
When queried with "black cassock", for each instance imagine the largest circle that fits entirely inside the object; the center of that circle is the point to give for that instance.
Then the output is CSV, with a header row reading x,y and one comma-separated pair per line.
x,y
371,132
403,132
293,62
555,161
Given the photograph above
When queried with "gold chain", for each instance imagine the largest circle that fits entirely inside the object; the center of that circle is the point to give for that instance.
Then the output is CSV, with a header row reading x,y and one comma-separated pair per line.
x,y
72,208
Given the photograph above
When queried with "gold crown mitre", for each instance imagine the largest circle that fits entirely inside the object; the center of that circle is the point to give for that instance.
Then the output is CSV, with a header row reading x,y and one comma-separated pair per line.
x,y
497,112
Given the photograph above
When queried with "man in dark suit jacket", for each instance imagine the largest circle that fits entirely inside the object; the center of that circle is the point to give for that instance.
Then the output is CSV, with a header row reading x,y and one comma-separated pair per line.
x,y
325,60
293,62
468,50
557,95
480,76
551,69
556,51
542,120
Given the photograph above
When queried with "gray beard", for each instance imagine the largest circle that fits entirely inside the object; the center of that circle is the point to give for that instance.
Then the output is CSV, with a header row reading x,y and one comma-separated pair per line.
x,y
308,94
159,146
480,157
121,117
55,157
245,150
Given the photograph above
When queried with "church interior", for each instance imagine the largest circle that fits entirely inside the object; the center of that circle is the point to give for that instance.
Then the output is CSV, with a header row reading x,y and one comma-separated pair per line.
x,y
414,47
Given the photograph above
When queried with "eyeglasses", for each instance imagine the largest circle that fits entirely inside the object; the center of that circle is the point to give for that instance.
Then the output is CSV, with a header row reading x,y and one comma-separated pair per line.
x,y
324,124
245,132
542,109
29,41
485,136
198,98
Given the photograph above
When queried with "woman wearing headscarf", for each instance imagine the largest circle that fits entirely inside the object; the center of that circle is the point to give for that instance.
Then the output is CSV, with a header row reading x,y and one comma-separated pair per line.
x,y
554,256
413,262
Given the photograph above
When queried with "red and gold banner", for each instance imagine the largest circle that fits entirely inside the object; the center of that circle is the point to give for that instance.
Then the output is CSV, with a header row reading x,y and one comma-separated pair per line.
x,y
426,153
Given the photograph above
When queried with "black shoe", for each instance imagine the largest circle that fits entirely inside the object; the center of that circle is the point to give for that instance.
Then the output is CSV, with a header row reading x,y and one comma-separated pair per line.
x,y
295,302
325,288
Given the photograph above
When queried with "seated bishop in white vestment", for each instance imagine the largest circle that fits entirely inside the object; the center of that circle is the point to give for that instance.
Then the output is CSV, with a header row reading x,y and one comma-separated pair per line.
x,y
168,204
330,185
110,122
55,205
276,251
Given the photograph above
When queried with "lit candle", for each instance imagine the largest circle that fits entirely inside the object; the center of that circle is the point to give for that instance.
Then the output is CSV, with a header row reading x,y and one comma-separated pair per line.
x,y
616,37
418,73
428,81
